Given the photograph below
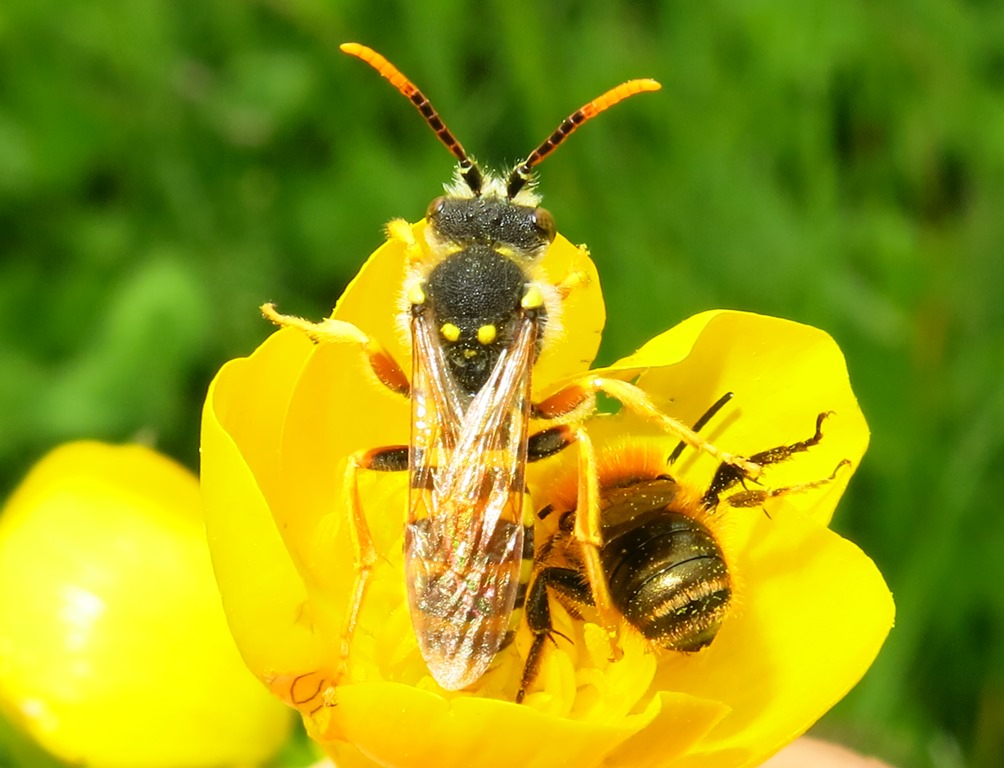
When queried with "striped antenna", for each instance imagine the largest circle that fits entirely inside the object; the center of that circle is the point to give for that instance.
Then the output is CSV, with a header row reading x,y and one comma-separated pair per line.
x,y
521,174
468,170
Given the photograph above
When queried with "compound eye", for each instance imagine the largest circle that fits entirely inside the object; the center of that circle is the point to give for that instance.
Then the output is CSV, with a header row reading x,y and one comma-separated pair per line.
x,y
435,208
544,222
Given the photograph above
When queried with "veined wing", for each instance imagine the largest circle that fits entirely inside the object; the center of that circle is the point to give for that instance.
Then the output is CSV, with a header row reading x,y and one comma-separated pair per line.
x,y
464,539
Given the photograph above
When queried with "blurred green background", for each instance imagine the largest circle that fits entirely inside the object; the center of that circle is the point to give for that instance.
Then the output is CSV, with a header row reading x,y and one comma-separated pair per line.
x,y
167,166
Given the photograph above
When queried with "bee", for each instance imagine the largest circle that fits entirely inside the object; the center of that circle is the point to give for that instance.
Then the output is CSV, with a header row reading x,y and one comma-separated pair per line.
x,y
478,312
645,550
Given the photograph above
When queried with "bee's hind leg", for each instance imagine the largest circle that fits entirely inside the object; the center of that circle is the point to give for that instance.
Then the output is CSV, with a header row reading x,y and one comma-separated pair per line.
x,y
589,536
728,476
569,584
389,459
578,402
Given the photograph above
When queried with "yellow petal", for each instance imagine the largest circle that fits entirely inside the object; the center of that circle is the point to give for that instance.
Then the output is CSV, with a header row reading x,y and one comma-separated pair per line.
x,y
373,300
571,348
249,398
337,408
113,647
811,618
783,375
273,476
407,727
263,595
683,720
584,710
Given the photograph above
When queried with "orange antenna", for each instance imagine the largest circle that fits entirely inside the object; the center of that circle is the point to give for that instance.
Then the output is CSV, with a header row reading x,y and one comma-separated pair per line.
x,y
468,170
521,174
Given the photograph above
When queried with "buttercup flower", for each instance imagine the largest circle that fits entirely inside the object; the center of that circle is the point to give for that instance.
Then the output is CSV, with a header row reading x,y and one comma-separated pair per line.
x,y
114,652
809,614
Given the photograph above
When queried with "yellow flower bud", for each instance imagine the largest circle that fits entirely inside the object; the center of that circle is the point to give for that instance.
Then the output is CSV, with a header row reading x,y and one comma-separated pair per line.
x,y
114,650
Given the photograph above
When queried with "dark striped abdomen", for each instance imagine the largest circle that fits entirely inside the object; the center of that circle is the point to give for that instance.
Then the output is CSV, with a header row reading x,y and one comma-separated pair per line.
x,y
667,576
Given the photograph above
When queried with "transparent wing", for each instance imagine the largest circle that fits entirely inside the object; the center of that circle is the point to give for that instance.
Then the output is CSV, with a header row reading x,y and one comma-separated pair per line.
x,y
464,539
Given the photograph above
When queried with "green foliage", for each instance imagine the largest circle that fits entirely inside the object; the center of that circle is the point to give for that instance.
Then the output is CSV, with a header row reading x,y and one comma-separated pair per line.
x,y
166,167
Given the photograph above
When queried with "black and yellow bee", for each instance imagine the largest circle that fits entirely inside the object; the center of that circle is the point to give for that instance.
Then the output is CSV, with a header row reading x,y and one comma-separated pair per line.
x,y
478,310
645,551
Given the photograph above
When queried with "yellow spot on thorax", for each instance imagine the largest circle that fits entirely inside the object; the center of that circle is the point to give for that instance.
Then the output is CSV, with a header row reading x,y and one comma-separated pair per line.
x,y
450,331
487,334
416,296
533,299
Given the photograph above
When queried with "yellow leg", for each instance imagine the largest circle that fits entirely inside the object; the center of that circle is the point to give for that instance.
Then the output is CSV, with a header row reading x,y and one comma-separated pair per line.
x,y
589,535
571,282
575,396
331,331
312,691
635,399
364,558
401,230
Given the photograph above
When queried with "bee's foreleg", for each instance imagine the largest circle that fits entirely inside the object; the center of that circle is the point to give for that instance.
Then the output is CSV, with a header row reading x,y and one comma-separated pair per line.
x,y
571,282
329,331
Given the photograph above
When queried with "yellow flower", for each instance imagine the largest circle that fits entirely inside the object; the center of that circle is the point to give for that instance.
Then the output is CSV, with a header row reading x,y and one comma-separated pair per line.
x,y
812,610
114,652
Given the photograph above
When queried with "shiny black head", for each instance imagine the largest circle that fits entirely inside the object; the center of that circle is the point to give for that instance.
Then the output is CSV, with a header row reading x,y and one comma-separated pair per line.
x,y
493,221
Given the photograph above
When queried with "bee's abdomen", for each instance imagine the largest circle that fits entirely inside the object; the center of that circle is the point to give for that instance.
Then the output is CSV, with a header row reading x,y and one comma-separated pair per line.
x,y
668,577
